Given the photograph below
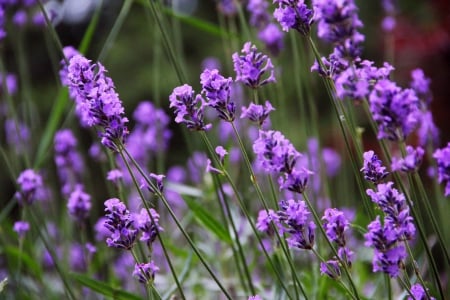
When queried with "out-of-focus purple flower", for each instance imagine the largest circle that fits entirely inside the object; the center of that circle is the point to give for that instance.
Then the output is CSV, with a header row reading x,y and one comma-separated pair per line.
x,y
257,112
388,24
120,224
252,66
17,135
330,268
188,108
68,160
265,218
29,183
338,24
294,217
196,166
272,37
335,224
210,169
79,204
101,232
393,204
211,63
97,101
442,157
157,186
427,131
332,66
21,228
217,89
346,255
148,226
145,272
411,162
114,175
421,85
373,168
293,14
10,81
332,161
395,111
259,15
20,18
256,297
77,258
221,152
419,293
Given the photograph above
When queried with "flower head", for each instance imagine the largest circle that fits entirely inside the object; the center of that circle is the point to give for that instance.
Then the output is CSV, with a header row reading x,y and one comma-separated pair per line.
x,y
21,228
79,204
256,112
252,66
419,293
373,168
217,90
148,226
442,157
145,272
29,183
292,14
335,224
188,108
411,162
120,224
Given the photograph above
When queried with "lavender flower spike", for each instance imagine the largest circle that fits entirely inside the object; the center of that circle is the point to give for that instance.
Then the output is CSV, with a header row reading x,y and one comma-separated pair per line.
x,y
411,162
257,113
120,225
29,182
145,273
217,90
294,14
251,67
188,108
373,169
442,157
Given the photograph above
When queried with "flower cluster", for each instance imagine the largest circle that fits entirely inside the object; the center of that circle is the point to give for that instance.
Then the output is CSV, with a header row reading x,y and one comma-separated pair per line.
x,y
419,293
217,91
293,216
252,66
293,14
79,204
442,157
120,224
411,162
188,108
96,101
397,227
30,183
373,168
145,272
257,113
338,24
149,226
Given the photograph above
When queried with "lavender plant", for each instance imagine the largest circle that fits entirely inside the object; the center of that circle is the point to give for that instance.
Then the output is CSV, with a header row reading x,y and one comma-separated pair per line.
x,y
271,193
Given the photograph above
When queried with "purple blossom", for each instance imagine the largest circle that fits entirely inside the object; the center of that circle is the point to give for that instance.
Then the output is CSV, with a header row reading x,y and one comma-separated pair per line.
x,y
145,272
155,187
421,85
188,109
442,157
259,15
148,226
97,102
293,14
17,135
21,228
79,204
294,217
217,89
272,37
120,224
335,224
29,183
114,175
390,261
427,131
9,81
252,66
419,293
255,297
221,152
265,218
373,168
411,162
295,180
395,111
346,255
330,268
338,24
257,112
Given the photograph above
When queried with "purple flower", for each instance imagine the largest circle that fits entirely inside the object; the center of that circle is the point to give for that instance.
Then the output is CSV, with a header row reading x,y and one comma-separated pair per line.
x,y
252,66
442,157
411,162
188,109
97,101
216,89
256,112
272,37
145,273
295,180
294,216
330,268
256,297
390,261
395,111
221,152
114,175
29,183
338,23
79,204
259,16
265,218
421,85
9,81
335,224
274,152
17,135
294,14
21,228
373,168
120,224
148,226
419,293
427,131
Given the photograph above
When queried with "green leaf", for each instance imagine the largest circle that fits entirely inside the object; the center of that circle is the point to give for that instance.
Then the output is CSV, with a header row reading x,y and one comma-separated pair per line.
x,y
205,217
103,288
14,254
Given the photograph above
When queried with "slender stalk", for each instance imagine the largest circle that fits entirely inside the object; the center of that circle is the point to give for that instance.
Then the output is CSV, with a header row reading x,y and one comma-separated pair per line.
x,y
177,222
